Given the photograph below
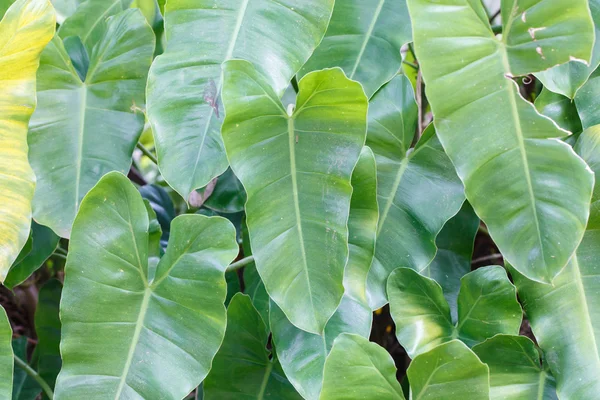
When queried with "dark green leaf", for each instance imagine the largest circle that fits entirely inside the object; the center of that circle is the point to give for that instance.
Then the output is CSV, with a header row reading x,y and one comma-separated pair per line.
x,y
48,327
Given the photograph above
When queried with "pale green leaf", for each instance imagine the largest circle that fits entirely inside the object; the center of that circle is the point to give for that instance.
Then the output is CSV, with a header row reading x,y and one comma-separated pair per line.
x,y
6,357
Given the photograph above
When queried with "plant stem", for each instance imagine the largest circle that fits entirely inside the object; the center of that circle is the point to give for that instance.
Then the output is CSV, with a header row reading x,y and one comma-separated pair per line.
x,y
147,153
59,255
60,250
487,258
240,264
413,65
32,373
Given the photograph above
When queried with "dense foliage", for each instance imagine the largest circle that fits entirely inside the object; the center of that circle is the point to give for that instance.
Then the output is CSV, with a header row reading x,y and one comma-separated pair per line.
x,y
225,199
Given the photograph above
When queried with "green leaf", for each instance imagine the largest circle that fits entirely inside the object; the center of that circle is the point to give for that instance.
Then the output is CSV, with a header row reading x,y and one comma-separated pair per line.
x,y
560,109
417,189
48,327
515,369
586,101
487,305
490,132
119,316
44,242
364,39
568,78
242,368
228,195
161,203
185,82
4,5
26,28
453,258
297,165
82,130
449,369
65,8
6,357
24,387
564,316
359,369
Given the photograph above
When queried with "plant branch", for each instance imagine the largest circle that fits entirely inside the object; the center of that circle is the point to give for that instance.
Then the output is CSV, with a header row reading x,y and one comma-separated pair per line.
x,y
496,256
32,373
240,264
494,15
147,153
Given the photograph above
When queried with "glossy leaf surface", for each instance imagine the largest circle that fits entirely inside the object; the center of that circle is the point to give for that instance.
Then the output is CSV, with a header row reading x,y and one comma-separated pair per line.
x,y
359,369
24,31
123,346
417,189
82,130
515,369
6,357
242,368
490,132
298,166
364,39
586,101
560,109
184,88
564,317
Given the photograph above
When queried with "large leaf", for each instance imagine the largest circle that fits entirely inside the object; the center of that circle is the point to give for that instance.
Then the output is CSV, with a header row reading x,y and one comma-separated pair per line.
x,y
119,311
6,357
364,39
48,327
185,82
565,316
417,189
358,369
487,305
4,5
516,372
568,78
82,130
450,369
302,354
24,31
560,109
586,101
242,368
491,133
65,8
297,165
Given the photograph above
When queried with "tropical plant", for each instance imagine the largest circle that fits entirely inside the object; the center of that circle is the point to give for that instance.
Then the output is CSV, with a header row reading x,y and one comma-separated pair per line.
x,y
299,199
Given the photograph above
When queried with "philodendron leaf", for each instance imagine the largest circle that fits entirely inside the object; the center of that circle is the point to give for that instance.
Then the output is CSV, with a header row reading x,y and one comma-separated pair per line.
x,y
47,328
65,8
353,314
364,39
359,369
568,78
515,172
163,206
6,357
24,387
26,28
450,370
453,258
487,305
82,130
184,87
516,372
296,164
417,189
119,315
228,195
564,317
560,109
586,101
242,368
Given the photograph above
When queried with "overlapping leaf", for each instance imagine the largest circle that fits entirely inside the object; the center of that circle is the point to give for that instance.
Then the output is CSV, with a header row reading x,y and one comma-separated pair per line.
x,y
184,88
24,31
84,129
6,357
515,176
560,109
47,328
364,39
120,311
586,101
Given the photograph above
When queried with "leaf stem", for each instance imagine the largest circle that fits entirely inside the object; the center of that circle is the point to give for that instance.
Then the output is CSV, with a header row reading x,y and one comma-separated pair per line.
x,y
240,264
147,153
32,373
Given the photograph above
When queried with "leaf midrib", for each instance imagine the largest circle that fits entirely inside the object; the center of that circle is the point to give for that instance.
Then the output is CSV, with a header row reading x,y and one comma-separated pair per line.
x,y
368,35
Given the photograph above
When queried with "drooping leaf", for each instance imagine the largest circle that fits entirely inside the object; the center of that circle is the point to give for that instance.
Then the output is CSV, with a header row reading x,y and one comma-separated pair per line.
x,y
586,101
184,88
453,258
242,368
417,189
228,195
564,317
119,315
364,39
491,133
6,357
297,165
48,327
82,130
516,372
560,109
568,78
487,305
450,370
359,369
44,242
24,387
26,28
